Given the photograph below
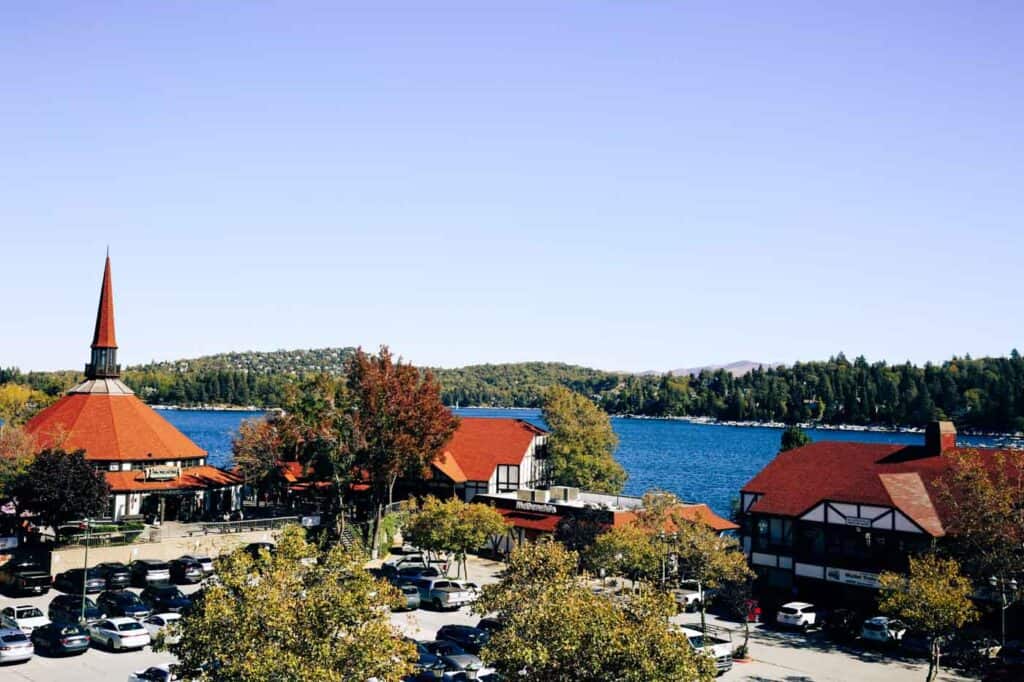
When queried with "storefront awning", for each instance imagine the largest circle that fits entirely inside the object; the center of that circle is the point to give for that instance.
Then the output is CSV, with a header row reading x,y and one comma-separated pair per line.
x,y
545,523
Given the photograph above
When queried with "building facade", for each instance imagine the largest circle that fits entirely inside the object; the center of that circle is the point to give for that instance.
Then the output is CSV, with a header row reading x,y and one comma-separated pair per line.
x,y
152,468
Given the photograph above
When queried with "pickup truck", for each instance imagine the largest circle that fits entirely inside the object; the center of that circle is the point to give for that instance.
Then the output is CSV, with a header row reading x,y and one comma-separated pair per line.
x,y
24,576
441,593
688,595
715,643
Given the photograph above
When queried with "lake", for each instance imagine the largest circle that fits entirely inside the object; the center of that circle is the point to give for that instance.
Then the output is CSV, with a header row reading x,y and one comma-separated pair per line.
x,y
699,462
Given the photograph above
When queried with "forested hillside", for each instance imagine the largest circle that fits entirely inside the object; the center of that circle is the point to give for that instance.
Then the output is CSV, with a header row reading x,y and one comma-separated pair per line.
x,y
982,393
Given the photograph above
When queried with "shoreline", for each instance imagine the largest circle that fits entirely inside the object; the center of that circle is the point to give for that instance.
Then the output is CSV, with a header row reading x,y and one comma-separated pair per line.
x,y
707,421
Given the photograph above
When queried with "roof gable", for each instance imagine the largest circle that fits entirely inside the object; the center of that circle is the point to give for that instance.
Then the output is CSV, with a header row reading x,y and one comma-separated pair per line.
x,y
480,444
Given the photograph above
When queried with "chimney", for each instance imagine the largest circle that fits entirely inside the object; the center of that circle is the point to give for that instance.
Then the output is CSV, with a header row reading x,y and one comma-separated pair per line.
x,y
939,437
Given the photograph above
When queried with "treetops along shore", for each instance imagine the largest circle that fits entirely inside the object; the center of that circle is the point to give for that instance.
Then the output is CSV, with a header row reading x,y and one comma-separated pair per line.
x,y
983,394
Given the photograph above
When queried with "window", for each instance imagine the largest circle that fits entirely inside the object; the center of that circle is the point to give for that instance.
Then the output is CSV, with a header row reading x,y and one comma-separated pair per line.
x,y
508,477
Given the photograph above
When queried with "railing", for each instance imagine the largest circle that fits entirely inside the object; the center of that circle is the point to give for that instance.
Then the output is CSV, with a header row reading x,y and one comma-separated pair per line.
x,y
247,525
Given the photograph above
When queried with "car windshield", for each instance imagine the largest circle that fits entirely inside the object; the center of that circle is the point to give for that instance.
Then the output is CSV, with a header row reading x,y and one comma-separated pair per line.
x,y
170,593
789,610
156,567
125,627
876,627
410,589
14,638
31,612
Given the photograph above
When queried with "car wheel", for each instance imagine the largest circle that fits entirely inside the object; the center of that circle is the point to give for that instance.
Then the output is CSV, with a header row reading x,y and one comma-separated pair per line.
x,y
437,605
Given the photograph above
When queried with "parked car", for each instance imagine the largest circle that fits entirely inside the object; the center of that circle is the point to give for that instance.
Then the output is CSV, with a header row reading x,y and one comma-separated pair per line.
x,y
466,636
77,579
917,643
167,623
411,594
688,595
15,646
428,666
116,634
407,573
61,639
67,608
491,625
154,673
714,643
186,571
454,657
24,575
115,573
204,561
797,614
883,630
255,549
842,625
971,649
148,571
441,593
393,567
166,598
123,603
25,618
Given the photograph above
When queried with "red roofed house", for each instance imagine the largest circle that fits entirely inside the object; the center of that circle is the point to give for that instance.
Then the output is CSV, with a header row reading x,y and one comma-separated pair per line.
x,y
491,455
150,465
825,519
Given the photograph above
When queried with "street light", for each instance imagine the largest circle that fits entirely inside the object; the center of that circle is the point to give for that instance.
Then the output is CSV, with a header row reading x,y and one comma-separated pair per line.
x,y
1008,594
85,568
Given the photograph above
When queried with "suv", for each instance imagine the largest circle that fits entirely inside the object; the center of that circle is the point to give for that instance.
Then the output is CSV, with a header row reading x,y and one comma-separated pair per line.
x,y
797,614
466,636
186,570
688,595
166,598
147,571
24,576
67,608
116,574
122,603
78,579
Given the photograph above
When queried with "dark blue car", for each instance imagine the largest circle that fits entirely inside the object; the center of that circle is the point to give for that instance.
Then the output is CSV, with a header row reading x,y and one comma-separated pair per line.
x,y
123,603
163,598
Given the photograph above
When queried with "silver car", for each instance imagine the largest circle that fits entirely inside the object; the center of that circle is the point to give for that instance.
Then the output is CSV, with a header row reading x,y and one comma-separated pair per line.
x,y
15,646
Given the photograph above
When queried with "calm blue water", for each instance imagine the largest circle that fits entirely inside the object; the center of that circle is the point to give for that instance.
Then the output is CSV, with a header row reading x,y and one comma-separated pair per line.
x,y
699,462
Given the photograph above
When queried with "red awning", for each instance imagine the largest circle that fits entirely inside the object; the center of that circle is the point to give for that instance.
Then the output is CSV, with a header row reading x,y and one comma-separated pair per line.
x,y
546,523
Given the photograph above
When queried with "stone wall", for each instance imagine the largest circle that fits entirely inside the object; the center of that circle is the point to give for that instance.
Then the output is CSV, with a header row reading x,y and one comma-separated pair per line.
x,y
169,548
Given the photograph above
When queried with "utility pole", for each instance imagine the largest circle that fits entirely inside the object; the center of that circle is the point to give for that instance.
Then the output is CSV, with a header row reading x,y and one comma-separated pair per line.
x,y
85,568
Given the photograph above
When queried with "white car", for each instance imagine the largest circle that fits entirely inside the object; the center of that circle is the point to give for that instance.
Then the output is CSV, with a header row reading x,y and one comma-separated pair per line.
x,y
797,614
25,618
203,560
154,673
15,646
882,630
166,623
119,633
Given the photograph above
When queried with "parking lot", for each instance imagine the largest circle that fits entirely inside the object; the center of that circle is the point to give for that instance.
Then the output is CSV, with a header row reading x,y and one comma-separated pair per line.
x,y
778,655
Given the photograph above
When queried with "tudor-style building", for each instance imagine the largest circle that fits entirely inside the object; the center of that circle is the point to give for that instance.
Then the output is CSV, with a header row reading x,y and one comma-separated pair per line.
x,y
152,468
822,521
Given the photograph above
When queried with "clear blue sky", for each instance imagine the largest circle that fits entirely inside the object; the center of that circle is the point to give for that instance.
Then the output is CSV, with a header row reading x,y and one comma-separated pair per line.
x,y
631,184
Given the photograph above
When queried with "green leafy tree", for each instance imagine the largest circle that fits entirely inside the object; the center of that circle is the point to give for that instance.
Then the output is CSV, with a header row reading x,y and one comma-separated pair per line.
x,y
282,617
794,437
453,526
631,551
61,487
558,630
18,403
582,444
934,599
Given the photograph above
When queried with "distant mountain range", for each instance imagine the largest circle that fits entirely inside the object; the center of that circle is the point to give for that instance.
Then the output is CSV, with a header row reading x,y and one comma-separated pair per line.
x,y
737,369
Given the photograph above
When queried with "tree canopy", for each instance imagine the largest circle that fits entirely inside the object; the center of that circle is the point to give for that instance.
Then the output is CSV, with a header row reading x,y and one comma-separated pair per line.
x,y
60,487
934,598
282,617
557,630
581,445
452,526
793,437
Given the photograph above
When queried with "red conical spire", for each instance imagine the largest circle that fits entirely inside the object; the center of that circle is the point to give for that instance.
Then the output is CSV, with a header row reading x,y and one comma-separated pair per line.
x,y
104,337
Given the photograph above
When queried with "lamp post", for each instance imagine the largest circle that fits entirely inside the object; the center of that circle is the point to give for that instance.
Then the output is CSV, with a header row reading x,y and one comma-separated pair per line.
x,y
85,568
1008,595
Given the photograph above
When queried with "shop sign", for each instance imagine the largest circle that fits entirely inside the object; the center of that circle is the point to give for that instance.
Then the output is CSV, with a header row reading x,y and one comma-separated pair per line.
x,y
858,522
162,473
858,578
534,507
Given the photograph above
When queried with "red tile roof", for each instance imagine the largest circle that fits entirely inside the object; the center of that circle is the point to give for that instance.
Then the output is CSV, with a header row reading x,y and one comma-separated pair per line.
x,y
103,336
110,427
864,473
192,478
480,444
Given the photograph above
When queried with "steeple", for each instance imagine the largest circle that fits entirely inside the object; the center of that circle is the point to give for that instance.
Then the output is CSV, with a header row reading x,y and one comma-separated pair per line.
x,y
104,343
